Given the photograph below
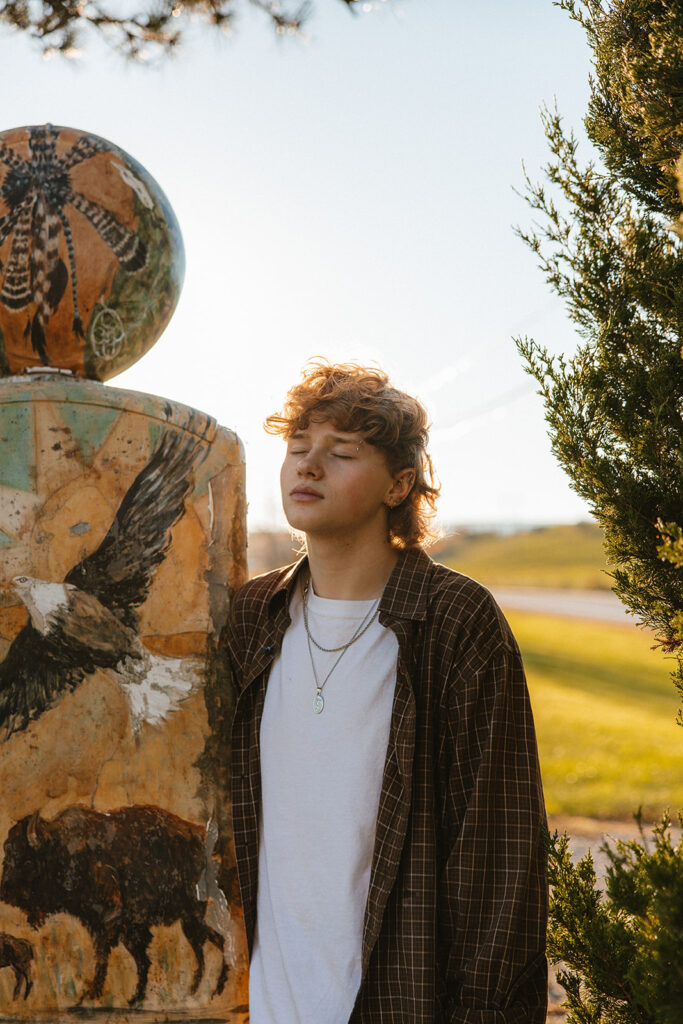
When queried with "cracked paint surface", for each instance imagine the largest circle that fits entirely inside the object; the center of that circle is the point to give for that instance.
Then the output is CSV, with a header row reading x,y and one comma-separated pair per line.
x,y
60,492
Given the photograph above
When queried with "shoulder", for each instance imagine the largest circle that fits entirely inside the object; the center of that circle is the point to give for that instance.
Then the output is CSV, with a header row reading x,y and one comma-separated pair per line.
x,y
464,619
262,588
254,596
253,604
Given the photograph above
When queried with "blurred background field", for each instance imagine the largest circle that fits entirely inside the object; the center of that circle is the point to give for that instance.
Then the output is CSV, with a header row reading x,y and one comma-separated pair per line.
x,y
605,711
604,704
603,700
550,556
567,556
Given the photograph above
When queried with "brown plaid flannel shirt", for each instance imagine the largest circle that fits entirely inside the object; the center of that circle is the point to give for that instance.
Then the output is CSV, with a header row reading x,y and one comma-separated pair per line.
x,y
454,926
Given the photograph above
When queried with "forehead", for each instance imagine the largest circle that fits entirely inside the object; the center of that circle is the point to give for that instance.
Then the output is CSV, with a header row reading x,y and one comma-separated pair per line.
x,y
327,431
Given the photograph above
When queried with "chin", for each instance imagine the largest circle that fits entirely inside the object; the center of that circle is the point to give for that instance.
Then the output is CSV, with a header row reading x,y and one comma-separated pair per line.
x,y
298,516
295,522
303,523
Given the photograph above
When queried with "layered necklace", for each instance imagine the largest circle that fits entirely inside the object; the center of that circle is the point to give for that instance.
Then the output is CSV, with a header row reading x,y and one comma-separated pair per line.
x,y
369,618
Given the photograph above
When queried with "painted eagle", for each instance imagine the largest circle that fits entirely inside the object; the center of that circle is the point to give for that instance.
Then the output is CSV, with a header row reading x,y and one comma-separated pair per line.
x,y
89,621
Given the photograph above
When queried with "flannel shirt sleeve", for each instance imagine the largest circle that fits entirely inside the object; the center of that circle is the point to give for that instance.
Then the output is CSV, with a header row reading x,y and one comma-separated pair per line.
x,y
493,907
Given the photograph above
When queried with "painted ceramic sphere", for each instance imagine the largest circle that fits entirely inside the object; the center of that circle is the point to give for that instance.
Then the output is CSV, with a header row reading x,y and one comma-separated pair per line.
x,y
91,255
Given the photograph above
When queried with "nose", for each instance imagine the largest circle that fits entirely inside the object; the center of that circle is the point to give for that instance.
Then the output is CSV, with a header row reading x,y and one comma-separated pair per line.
x,y
309,465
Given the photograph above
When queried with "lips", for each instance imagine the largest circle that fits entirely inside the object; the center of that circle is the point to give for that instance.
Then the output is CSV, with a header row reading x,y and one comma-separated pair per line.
x,y
305,494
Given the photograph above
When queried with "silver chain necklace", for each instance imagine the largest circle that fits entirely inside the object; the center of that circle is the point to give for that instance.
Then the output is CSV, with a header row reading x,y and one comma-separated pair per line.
x,y
365,624
318,700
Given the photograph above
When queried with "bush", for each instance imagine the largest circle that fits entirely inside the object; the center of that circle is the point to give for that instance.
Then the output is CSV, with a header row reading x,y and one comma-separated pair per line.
x,y
621,947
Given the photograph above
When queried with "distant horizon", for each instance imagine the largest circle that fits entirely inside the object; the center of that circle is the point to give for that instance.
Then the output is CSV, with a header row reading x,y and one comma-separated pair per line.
x,y
498,527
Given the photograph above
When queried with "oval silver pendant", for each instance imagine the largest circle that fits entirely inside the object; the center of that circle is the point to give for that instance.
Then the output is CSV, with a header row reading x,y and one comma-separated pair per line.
x,y
318,703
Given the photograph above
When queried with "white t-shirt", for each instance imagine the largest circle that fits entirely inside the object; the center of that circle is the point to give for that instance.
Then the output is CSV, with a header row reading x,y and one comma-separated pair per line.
x,y
321,776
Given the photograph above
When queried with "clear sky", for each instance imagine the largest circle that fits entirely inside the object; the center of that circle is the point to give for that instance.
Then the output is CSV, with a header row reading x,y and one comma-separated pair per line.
x,y
350,196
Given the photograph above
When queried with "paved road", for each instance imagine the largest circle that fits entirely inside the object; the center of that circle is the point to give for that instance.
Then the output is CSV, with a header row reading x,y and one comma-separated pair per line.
x,y
599,605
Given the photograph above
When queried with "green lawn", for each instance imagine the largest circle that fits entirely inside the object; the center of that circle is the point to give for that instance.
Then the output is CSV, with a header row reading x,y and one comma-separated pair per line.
x,y
552,556
605,711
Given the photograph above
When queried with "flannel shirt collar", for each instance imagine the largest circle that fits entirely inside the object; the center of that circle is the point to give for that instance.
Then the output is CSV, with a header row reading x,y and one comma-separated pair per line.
x,y
405,594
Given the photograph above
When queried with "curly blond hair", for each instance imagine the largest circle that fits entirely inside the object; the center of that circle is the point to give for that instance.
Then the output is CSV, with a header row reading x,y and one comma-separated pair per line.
x,y
360,399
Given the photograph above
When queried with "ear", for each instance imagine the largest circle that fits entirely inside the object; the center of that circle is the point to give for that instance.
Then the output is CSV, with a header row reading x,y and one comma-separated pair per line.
x,y
403,484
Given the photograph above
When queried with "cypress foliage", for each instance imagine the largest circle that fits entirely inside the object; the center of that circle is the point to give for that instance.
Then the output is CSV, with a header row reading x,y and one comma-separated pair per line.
x,y
611,244
621,948
606,244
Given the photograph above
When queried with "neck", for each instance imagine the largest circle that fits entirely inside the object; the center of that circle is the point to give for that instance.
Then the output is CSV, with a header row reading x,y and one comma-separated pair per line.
x,y
349,571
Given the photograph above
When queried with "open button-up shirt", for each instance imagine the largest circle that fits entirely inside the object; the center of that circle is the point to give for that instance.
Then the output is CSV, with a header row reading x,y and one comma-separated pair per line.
x,y
454,927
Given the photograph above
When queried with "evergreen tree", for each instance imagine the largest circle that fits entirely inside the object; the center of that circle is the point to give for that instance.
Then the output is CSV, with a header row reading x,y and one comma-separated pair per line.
x,y
142,28
608,246
611,244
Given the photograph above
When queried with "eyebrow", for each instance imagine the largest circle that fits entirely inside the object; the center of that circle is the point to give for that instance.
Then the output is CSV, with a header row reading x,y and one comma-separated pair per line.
x,y
303,435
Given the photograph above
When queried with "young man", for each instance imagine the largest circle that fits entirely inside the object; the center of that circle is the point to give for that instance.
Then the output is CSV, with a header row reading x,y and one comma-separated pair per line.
x,y
387,804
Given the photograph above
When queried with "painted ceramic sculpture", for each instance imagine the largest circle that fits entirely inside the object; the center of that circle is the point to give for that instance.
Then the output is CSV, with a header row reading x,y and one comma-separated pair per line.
x,y
91,255
122,536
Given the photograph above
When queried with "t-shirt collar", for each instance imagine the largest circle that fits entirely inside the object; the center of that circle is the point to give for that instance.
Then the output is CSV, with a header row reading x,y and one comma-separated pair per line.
x,y
405,594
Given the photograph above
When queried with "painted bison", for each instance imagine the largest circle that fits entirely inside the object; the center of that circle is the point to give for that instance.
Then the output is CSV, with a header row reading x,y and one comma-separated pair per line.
x,y
17,953
118,873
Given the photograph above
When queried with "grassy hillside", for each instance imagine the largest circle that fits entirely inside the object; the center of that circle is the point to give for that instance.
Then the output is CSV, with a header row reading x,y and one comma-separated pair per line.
x,y
551,556
605,717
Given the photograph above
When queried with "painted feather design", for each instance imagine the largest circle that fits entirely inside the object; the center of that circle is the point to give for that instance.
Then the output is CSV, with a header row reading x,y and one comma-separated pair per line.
x,y
39,195
90,621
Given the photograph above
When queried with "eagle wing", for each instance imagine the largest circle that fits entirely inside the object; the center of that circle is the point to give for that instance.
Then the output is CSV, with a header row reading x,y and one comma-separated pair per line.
x,y
34,675
120,571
